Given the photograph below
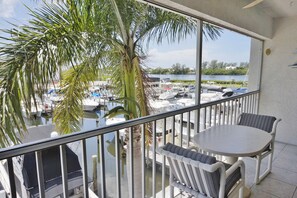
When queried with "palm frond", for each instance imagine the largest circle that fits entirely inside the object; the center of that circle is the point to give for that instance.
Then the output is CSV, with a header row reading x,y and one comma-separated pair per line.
x,y
159,24
30,59
75,81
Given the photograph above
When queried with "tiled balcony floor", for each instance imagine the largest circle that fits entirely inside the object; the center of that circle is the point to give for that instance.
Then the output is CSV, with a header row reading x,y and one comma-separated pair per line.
x,y
282,181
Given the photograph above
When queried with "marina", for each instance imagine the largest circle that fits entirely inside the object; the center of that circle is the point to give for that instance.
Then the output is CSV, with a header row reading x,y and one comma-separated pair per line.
x,y
167,97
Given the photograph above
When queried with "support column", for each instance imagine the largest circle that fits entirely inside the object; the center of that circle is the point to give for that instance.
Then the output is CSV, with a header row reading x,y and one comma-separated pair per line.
x,y
198,73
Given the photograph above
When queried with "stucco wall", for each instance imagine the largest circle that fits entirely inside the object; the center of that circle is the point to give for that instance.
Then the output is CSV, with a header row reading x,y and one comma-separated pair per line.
x,y
279,82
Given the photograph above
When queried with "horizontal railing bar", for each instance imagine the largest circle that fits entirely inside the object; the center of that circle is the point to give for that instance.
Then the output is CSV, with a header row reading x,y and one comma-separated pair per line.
x,y
51,142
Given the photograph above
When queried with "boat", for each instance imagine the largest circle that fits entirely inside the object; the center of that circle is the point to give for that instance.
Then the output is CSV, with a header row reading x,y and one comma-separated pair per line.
x,y
26,173
89,104
168,95
186,102
161,106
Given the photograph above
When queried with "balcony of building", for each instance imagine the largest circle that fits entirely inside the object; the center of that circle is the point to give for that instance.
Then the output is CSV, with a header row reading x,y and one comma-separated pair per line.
x,y
272,91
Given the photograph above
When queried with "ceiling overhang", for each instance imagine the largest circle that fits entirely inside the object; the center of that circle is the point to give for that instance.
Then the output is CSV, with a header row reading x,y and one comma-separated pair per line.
x,y
227,13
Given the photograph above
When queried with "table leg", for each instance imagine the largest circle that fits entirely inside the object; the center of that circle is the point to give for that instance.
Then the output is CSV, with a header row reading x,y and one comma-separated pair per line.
x,y
246,192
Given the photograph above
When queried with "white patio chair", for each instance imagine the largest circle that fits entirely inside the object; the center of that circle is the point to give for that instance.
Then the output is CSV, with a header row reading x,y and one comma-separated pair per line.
x,y
201,175
265,123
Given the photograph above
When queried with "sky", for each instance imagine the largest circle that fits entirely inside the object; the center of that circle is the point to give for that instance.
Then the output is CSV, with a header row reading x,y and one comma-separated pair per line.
x,y
229,47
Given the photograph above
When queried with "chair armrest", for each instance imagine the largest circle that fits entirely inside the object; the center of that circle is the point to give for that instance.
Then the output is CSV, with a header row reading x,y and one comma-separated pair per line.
x,y
236,165
193,148
274,126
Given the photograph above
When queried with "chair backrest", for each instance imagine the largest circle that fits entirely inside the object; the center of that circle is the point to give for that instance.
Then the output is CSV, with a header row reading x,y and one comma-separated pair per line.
x,y
263,122
195,171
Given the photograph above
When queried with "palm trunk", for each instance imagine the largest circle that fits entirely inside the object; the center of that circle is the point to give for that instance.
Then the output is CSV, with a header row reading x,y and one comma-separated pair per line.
x,y
136,168
136,148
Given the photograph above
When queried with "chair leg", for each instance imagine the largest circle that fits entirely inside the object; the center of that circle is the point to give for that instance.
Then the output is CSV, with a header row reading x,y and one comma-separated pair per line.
x,y
258,177
258,167
171,187
270,162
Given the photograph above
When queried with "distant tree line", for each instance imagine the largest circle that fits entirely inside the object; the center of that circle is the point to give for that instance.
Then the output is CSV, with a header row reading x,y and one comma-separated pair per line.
x,y
176,68
213,67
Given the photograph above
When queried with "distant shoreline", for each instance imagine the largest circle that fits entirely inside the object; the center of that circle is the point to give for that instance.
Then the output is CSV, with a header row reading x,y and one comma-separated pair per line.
x,y
187,77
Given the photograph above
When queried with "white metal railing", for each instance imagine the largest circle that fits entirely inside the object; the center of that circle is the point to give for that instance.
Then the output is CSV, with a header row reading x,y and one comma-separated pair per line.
x,y
177,126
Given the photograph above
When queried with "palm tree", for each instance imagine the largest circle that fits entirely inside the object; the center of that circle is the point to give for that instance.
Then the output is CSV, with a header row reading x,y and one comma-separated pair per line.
x,y
79,37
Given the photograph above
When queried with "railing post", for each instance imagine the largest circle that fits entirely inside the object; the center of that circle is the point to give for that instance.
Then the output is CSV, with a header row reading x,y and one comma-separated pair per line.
x,y
102,166
154,160
143,159
173,130
40,175
163,159
189,128
11,178
118,159
64,171
131,159
84,168
181,129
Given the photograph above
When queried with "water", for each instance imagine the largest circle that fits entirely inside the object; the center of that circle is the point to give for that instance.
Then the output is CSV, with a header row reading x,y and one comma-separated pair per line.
x,y
204,77
90,122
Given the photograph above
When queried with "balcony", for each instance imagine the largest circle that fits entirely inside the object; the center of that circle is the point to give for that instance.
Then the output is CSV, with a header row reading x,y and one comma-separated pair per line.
x,y
148,172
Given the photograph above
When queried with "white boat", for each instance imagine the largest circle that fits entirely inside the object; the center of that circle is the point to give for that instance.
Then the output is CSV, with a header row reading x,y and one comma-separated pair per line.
x,y
209,97
90,104
101,100
161,106
168,95
186,102
56,98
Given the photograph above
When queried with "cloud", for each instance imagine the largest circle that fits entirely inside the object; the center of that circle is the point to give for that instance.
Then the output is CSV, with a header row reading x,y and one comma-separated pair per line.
x,y
157,58
7,8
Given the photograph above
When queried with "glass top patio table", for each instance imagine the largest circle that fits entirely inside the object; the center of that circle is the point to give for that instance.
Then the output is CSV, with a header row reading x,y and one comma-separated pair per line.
x,y
233,141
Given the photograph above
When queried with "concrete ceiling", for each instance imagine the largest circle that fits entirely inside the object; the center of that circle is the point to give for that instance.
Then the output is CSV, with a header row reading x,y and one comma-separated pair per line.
x,y
256,21
277,8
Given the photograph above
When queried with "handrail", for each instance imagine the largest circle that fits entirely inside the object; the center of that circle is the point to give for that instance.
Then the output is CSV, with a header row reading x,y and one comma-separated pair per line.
x,y
50,142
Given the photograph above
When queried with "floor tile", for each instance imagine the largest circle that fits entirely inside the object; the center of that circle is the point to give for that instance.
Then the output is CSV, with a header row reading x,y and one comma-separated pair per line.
x,y
278,148
287,162
275,187
283,175
256,193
